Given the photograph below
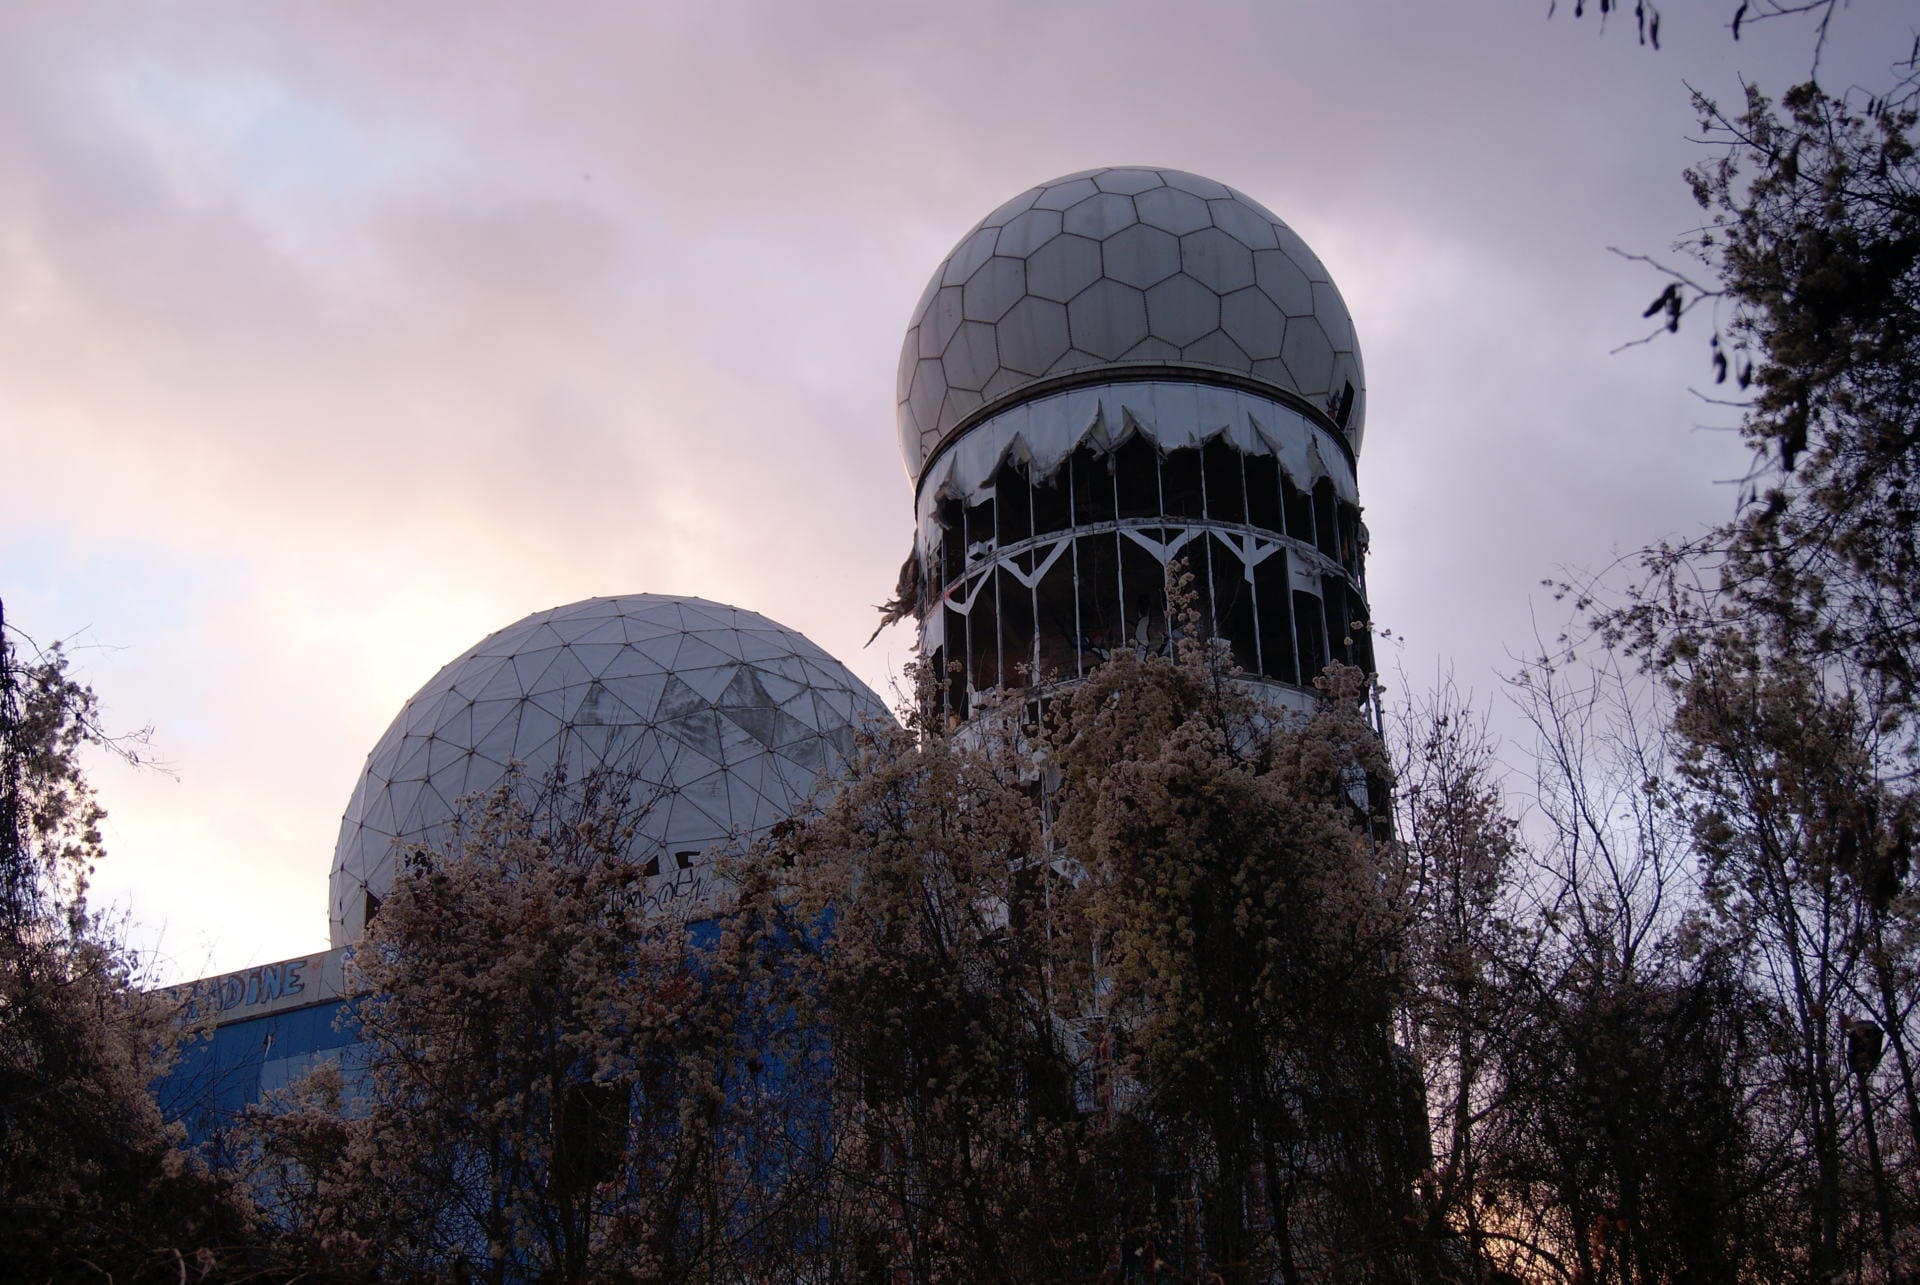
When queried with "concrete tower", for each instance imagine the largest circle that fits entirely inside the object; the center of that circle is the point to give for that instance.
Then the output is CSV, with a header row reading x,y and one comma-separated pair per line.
x,y
1111,371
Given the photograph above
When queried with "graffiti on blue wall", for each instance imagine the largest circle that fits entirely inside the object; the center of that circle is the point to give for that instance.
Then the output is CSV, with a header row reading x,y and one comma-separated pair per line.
x,y
250,986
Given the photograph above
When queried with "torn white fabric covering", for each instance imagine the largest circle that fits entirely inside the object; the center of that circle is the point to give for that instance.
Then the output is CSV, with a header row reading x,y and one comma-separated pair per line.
x,y
1042,433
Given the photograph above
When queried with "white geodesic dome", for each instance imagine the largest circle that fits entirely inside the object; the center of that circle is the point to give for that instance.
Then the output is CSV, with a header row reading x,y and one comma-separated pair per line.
x,y
1146,272
725,719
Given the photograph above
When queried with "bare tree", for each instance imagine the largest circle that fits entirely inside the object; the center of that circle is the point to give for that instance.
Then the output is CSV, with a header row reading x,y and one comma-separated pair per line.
x,y
927,915
1234,873
1466,928
560,1080
92,1182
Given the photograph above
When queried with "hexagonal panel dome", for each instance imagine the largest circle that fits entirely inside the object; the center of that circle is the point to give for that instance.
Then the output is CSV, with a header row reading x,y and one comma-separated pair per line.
x,y
1135,269
728,720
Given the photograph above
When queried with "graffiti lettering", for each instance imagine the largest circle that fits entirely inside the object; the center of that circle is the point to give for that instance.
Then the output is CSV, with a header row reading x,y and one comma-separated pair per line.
x,y
252,986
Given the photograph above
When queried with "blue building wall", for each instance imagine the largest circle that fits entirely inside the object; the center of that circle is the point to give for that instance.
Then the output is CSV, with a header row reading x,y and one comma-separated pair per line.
x,y
238,1063
270,1025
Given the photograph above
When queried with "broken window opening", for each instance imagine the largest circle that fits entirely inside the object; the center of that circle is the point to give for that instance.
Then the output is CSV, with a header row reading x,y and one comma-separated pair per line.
x,y
1136,475
1051,511
1233,613
1013,505
952,676
1099,571
1326,525
1299,506
1271,590
1333,596
1350,538
1310,635
1182,492
1016,630
1263,494
1092,484
1325,519
983,640
1354,627
1343,407
1143,580
1226,490
1056,622
953,539
980,532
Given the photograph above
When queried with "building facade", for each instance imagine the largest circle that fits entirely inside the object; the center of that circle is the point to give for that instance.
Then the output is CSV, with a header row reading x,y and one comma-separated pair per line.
x,y
1111,372
719,721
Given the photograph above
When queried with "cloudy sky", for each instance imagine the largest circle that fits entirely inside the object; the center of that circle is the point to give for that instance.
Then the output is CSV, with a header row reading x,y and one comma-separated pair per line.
x,y
334,336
